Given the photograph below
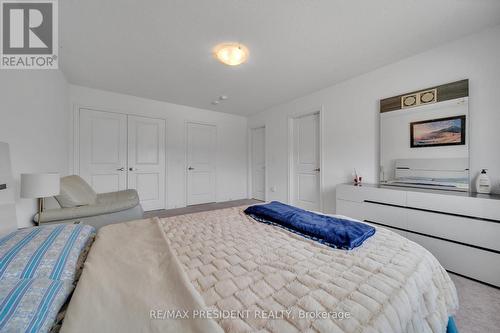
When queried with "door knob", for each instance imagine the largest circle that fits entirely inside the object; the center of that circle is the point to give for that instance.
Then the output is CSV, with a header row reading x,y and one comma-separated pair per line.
x,y
121,169
190,168
318,169
132,169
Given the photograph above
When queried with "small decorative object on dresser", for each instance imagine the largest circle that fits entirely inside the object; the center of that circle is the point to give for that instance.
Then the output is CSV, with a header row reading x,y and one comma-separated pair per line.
x,y
483,183
40,186
357,178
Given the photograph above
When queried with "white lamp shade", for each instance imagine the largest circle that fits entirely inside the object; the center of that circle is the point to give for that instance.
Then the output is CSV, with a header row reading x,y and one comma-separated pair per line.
x,y
40,185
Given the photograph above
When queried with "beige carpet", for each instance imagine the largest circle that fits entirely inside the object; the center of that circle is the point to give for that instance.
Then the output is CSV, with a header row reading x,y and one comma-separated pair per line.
x,y
199,208
479,306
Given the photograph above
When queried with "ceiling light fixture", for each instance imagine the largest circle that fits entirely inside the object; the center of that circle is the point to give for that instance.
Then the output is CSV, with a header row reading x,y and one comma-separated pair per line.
x,y
231,54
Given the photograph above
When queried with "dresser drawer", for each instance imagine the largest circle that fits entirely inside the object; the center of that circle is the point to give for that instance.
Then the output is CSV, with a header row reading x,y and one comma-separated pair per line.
x,y
462,232
361,212
455,204
360,194
387,215
470,262
350,209
465,230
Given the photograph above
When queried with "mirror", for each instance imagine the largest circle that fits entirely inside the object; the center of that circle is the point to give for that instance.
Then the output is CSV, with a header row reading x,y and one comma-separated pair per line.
x,y
424,139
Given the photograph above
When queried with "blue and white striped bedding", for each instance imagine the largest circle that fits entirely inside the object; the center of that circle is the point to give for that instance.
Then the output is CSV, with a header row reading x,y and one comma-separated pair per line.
x,y
37,273
31,305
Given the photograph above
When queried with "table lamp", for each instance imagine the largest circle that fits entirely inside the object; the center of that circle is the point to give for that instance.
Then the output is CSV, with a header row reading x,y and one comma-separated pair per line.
x,y
40,186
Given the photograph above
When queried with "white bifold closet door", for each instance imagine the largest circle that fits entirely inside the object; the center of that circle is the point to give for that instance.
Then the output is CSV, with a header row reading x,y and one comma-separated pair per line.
x,y
103,150
201,150
146,160
118,152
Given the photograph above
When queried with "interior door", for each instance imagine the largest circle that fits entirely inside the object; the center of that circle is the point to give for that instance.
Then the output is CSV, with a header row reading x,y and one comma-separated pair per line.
x,y
103,150
146,160
201,159
306,163
258,163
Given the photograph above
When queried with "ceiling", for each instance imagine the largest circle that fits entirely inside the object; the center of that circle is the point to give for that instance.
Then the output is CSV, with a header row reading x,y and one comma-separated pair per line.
x,y
162,49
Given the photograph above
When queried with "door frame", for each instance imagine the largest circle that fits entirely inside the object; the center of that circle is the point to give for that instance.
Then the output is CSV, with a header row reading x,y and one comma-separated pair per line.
x,y
74,136
250,161
291,122
186,123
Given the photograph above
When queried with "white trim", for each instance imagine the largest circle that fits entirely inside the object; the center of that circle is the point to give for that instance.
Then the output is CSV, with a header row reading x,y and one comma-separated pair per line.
x,y
318,110
166,162
186,122
290,159
250,161
75,137
321,163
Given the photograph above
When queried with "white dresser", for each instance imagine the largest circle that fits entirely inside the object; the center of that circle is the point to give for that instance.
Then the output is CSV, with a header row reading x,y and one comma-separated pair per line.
x,y
461,229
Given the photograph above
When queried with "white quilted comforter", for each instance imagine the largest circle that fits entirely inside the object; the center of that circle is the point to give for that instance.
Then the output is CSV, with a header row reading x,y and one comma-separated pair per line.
x,y
288,283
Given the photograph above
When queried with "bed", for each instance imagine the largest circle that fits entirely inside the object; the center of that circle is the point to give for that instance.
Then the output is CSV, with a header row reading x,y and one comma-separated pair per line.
x,y
39,267
224,271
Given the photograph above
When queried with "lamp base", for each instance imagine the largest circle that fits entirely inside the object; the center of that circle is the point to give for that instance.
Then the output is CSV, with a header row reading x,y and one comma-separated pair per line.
x,y
41,207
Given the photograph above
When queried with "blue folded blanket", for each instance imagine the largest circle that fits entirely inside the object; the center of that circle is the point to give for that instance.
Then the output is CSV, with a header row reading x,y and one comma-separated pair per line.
x,y
336,232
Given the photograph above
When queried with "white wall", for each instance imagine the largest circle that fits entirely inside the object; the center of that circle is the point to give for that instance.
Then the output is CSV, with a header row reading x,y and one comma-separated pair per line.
x,y
231,174
351,130
34,120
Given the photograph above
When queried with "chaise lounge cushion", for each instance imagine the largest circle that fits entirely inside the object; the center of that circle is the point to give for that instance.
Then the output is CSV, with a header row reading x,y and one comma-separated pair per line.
x,y
106,203
75,192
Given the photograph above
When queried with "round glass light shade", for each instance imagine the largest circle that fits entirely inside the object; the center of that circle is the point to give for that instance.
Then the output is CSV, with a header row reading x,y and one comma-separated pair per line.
x,y
231,54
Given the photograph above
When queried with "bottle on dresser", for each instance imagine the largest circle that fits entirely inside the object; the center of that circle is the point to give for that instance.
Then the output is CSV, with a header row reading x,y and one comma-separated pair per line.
x,y
483,183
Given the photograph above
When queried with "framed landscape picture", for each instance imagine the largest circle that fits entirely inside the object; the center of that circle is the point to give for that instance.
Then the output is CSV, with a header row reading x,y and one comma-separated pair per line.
x,y
438,132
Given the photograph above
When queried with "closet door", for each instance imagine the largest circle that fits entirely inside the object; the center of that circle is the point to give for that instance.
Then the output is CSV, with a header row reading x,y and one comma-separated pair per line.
x,y
146,160
201,143
103,150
